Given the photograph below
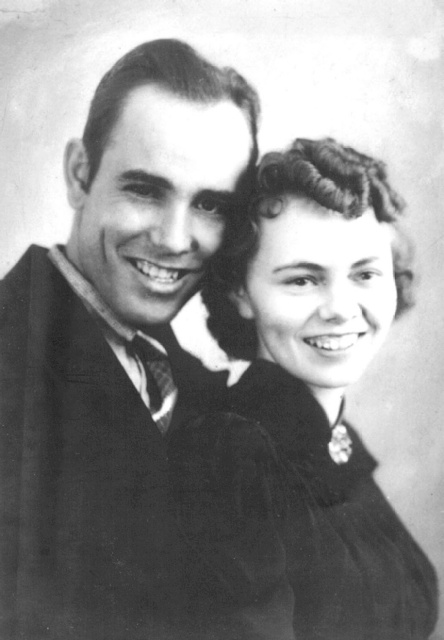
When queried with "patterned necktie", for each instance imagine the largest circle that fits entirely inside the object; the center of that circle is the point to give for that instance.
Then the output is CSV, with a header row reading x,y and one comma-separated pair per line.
x,y
161,389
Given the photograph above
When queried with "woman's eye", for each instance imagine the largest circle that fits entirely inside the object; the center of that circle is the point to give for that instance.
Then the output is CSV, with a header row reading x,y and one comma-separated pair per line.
x,y
366,275
301,281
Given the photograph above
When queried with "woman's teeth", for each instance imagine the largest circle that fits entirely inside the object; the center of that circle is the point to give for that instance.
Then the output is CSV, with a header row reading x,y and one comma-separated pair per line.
x,y
333,343
161,274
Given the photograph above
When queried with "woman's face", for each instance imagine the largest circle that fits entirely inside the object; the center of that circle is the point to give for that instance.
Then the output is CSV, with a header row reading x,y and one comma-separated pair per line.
x,y
321,291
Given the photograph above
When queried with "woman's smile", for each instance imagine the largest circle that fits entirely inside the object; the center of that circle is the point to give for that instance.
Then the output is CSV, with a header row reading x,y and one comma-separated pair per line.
x,y
334,342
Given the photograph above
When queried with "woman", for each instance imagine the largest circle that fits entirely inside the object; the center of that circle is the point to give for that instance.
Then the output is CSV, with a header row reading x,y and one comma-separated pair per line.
x,y
308,289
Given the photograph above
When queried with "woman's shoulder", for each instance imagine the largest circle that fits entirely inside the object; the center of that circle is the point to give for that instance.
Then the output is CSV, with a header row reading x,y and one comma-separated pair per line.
x,y
230,460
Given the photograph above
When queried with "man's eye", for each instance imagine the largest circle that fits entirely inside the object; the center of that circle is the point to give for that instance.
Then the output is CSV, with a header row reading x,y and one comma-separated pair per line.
x,y
143,190
212,205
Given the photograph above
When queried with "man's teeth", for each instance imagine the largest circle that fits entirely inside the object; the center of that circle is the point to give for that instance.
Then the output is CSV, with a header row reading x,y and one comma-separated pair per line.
x,y
333,343
160,274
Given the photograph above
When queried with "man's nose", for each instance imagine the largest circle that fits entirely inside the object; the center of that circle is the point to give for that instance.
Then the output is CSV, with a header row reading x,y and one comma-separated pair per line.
x,y
339,303
173,230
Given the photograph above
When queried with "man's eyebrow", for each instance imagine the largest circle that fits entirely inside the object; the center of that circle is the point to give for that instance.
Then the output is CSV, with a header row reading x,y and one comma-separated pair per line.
x,y
218,194
138,175
309,266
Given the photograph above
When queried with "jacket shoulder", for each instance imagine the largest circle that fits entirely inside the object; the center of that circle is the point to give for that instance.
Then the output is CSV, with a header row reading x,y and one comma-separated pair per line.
x,y
31,297
16,284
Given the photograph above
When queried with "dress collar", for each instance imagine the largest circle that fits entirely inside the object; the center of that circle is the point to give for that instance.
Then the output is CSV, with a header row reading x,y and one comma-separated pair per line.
x,y
291,411
300,428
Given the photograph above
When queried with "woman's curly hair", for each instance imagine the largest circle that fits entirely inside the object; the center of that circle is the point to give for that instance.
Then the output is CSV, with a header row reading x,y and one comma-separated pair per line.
x,y
336,177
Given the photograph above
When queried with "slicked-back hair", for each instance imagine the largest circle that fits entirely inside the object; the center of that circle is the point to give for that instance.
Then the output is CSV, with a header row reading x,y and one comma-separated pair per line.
x,y
338,178
171,65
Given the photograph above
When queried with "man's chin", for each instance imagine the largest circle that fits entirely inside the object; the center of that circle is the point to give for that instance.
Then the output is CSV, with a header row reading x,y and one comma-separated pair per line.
x,y
138,307
149,314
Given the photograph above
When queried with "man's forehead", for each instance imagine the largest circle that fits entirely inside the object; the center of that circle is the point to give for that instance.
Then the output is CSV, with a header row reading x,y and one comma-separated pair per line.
x,y
155,126
162,108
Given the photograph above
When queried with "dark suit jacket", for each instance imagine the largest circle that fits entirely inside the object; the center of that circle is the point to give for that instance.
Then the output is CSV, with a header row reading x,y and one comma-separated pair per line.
x,y
89,545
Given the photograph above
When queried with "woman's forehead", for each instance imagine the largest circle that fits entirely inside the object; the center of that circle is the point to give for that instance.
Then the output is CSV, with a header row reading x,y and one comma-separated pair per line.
x,y
306,230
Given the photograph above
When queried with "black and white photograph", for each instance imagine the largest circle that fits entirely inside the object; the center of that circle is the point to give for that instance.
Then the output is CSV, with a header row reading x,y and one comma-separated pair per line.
x,y
222,320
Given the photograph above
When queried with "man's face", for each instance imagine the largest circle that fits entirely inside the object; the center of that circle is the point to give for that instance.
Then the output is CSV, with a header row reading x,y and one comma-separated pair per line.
x,y
155,212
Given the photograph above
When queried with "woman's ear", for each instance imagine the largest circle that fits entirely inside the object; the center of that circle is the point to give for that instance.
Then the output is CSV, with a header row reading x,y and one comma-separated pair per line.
x,y
241,300
76,167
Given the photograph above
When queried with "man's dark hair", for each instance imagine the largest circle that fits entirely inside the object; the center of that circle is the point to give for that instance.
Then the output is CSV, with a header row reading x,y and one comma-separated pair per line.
x,y
175,67
336,177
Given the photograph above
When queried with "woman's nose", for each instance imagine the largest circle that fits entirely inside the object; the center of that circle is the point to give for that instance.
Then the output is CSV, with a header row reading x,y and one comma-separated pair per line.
x,y
340,303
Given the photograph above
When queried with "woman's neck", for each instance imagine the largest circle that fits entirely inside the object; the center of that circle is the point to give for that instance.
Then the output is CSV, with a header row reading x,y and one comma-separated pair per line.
x,y
330,400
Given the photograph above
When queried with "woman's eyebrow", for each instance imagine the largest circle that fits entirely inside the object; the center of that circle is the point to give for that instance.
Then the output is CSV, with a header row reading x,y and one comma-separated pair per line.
x,y
365,261
313,266
309,266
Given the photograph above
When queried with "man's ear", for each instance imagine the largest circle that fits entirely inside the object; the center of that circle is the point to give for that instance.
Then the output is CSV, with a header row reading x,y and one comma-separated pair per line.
x,y
241,300
76,167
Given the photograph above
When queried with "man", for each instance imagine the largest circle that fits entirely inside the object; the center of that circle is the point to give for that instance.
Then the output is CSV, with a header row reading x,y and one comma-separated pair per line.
x,y
90,549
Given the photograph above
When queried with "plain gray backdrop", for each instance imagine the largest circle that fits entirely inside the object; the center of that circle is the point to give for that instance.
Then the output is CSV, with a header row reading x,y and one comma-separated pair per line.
x,y
368,72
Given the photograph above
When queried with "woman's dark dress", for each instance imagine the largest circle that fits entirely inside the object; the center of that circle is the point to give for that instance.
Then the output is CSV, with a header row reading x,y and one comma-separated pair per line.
x,y
354,570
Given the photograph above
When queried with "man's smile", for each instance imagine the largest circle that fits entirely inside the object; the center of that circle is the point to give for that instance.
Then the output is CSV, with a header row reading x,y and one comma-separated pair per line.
x,y
160,273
